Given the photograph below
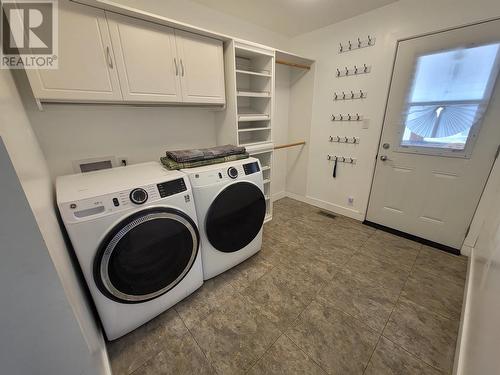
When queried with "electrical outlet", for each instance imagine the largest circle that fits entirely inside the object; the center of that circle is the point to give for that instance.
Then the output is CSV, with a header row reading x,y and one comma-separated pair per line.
x,y
122,161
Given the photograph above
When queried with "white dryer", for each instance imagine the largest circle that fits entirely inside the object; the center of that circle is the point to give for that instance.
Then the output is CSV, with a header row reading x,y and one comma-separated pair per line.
x,y
135,235
231,207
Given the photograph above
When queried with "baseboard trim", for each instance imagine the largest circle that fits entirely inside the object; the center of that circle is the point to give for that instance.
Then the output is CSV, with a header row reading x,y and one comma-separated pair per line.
x,y
278,196
461,348
340,210
421,240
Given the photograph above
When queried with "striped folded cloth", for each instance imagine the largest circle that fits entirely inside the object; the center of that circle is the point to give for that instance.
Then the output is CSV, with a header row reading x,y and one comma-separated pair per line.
x,y
183,156
172,164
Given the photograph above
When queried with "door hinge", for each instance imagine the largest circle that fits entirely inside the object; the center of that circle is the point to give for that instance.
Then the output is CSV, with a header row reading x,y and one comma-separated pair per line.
x,y
497,153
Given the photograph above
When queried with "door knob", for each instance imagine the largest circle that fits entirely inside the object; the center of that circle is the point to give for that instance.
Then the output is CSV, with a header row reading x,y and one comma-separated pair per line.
x,y
384,157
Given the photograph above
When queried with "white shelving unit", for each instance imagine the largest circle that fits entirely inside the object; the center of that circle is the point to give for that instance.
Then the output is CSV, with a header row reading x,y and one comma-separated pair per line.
x,y
248,118
264,153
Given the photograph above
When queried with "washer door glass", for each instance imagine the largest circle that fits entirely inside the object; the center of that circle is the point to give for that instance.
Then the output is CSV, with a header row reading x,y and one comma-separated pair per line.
x,y
235,217
146,255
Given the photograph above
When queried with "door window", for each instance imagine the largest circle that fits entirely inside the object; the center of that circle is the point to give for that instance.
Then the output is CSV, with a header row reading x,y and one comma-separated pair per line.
x,y
449,94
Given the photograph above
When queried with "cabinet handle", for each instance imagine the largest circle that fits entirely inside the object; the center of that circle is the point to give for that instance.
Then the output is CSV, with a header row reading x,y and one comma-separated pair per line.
x,y
176,67
108,57
182,68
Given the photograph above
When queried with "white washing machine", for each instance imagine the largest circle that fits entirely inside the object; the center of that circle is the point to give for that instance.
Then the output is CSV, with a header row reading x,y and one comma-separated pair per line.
x,y
231,207
135,235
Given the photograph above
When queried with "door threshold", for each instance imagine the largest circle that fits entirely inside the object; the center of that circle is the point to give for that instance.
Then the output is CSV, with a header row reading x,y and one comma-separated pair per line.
x,y
421,240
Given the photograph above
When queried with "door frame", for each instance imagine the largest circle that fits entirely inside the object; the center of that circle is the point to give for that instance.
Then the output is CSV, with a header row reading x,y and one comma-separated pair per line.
x,y
395,231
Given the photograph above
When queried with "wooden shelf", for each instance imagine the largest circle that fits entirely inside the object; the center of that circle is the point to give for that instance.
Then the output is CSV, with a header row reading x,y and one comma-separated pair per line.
x,y
252,73
254,94
253,117
253,143
252,129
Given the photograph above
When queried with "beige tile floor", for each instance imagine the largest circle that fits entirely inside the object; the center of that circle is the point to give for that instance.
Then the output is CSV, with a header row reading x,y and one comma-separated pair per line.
x,y
325,295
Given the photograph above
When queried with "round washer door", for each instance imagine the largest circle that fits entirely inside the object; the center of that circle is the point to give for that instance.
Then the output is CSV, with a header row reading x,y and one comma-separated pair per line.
x,y
146,255
235,217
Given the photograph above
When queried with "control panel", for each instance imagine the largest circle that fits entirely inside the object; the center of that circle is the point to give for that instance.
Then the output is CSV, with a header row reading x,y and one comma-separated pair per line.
x,y
91,208
250,168
226,173
171,187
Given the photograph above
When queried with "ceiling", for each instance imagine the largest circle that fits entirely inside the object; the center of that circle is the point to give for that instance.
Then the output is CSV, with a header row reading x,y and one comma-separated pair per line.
x,y
294,17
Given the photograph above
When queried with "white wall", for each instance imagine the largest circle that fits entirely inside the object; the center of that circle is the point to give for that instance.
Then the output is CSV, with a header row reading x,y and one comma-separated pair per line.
x,y
282,77
31,168
69,132
480,330
403,19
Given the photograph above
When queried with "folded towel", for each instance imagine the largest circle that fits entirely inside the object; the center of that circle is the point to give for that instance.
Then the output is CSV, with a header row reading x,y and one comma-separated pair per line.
x,y
172,164
182,156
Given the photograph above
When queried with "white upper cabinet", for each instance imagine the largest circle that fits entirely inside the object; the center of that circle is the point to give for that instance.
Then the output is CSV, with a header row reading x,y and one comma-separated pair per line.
x,y
202,68
107,57
86,71
146,59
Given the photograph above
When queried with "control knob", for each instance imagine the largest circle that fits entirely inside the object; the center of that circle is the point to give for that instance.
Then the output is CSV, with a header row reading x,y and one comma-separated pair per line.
x,y
232,172
138,196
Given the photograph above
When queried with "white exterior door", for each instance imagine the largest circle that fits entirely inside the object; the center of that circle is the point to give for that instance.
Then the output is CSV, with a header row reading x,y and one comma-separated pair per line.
x,y
146,59
202,68
441,133
86,63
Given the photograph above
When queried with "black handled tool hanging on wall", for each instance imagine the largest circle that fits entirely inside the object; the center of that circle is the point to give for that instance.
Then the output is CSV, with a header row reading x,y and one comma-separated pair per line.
x,y
335,168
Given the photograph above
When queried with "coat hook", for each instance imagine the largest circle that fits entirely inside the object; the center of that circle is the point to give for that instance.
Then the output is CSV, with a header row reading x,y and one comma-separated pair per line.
x,y
369,40
359,43
341,47
350,160
355,69
349,116
336,97
357,116
346,71
338,72
366,68
333,117
346,139
350,45
361,94
352,94
343,95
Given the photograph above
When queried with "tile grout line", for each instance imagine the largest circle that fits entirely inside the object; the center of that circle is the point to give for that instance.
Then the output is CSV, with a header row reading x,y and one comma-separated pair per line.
x,y
197,344
393,308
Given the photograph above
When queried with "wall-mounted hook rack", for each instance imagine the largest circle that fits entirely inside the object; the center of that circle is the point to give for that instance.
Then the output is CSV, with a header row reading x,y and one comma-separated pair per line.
x,y
352,71
347,117
341,159
357,44
350,95
353,140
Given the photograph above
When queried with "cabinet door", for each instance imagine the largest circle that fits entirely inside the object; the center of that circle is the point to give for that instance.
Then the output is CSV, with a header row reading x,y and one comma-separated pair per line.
x,y
148,67
86,71
202,68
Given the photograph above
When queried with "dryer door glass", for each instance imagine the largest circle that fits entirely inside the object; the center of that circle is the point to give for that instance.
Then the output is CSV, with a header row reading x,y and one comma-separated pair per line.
x,y
235,217
146,255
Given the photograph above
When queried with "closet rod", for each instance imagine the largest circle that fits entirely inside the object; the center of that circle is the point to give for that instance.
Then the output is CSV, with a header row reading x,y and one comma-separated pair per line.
x,y
301,66
290,145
